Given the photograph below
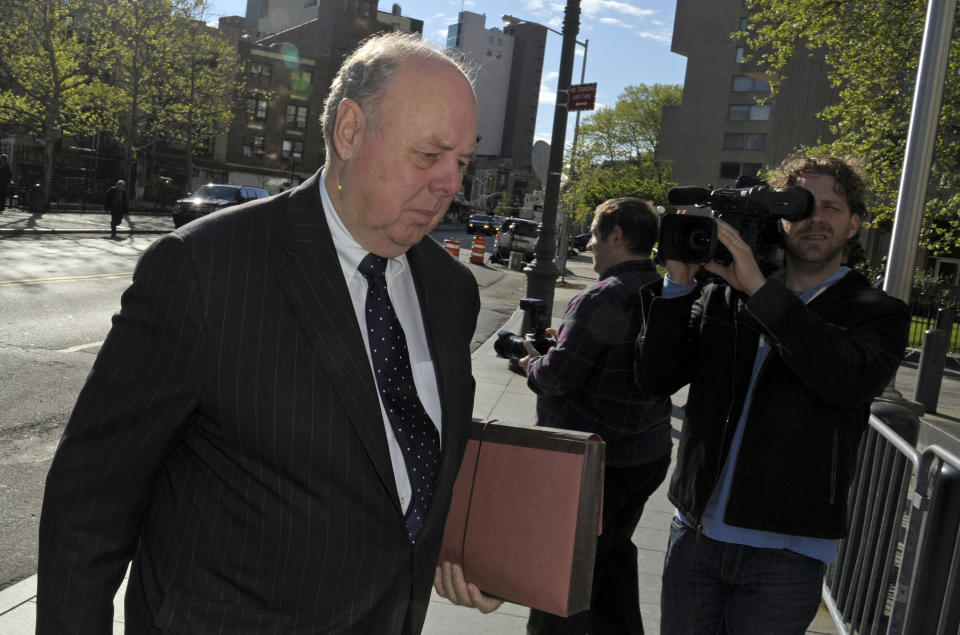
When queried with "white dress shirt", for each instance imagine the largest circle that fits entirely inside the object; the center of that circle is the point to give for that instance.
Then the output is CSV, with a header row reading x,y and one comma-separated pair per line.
x,y
403,296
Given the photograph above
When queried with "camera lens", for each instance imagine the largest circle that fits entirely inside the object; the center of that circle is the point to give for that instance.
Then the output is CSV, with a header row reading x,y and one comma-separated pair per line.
x,y
693,241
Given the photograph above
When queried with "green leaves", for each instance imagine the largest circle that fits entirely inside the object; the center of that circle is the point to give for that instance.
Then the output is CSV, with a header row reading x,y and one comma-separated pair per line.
x,y
616,151
872,48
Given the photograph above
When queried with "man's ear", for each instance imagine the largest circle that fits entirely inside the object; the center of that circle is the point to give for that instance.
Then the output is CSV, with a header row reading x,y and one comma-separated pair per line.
x,y
854,227
615,239
348,129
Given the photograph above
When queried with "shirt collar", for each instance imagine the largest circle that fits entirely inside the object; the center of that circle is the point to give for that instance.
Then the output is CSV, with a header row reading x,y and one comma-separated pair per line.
x,y
820,287
629,265
349,251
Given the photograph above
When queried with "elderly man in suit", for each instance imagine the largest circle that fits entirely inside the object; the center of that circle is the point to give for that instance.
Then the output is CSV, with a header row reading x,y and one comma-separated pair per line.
x,y
239,438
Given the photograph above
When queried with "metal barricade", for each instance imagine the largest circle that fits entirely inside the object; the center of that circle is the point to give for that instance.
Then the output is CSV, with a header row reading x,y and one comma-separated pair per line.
x,y
932,603
897,571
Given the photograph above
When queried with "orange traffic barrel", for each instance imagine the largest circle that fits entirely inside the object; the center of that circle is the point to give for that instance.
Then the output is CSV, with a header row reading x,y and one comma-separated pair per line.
x,y
452,246
477,250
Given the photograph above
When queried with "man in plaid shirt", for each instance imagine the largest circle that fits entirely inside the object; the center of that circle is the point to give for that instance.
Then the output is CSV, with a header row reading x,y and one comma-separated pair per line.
x,y
585,382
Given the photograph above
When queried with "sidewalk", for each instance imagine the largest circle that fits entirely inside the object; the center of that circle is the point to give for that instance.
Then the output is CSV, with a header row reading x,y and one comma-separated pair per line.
x,y
18,221
502,394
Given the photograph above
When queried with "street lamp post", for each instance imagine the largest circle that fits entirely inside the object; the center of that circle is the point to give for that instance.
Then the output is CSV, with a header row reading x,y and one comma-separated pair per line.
x,y
542,272
565,227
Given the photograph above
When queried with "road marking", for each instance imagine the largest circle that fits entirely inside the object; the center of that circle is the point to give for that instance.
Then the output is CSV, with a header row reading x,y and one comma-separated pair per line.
x,y
78,347
65,278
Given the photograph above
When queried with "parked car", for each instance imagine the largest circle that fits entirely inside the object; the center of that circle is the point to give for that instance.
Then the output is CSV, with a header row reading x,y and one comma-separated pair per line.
x,y
480,224
580,241
212,197
516,234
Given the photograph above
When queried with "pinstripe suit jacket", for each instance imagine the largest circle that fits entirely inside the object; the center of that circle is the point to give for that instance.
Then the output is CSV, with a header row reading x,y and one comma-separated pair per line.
x,y
229,441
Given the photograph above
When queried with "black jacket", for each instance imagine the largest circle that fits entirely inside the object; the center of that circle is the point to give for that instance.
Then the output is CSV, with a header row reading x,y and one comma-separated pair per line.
x,y
829,359
229,440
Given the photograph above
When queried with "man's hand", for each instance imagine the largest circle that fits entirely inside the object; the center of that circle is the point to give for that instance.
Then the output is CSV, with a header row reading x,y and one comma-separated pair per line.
x,y
449,583
743,273
531,351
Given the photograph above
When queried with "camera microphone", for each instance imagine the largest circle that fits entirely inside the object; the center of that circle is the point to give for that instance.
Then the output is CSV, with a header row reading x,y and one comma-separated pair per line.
x,y
687,195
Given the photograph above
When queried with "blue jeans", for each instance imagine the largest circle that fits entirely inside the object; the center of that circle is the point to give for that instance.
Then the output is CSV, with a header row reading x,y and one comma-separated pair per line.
x,y
718,587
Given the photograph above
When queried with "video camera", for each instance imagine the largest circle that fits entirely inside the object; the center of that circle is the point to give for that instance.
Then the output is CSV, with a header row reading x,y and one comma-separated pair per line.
x,y
752,208
510,345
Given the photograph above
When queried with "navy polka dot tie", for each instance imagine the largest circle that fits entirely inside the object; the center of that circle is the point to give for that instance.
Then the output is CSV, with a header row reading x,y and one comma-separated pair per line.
x,y
416,434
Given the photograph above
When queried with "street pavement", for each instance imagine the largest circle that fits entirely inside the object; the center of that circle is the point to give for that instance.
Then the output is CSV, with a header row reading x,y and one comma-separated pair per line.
x,y
503,395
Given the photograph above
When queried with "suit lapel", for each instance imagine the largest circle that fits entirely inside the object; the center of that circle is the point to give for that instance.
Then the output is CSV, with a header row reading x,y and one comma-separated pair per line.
x,y
313,282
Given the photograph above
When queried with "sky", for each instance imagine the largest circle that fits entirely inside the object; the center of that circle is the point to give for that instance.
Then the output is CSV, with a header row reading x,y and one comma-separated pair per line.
x,y
628,42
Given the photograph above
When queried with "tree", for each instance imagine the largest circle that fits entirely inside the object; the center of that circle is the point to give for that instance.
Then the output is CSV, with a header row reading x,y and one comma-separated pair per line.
x,y
200,97
144,63
51,54
872,48
616,155
630,130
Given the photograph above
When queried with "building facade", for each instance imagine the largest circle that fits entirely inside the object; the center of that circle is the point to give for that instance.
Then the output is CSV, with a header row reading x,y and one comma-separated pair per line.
x,y
507,66
727,124
290,50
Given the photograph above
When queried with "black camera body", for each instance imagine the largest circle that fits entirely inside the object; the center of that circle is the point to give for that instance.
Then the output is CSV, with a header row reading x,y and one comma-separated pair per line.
x,y
510,345
753,208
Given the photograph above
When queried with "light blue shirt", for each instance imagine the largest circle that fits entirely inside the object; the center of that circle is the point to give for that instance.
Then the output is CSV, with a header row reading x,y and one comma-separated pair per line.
x,y
713,526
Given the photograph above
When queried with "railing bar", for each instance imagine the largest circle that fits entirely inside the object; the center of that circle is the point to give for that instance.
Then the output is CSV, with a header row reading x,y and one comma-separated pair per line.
x,y
868,541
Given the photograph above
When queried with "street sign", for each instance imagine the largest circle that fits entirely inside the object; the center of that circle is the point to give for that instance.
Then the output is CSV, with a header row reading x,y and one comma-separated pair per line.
x,y
581,96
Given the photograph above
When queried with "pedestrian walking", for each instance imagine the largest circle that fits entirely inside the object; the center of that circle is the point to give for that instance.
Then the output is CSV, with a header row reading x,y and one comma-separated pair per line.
x,y
115,202
273,426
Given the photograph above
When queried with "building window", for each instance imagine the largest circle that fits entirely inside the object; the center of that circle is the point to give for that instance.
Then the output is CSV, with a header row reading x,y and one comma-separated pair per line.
x,y
748,112
740,54
296,116
292,149
747,84
203,146
744,141
300,81
948,268
256,108
453,36
309,3
264,7
490,40
251,145
258,69
729,170
744,24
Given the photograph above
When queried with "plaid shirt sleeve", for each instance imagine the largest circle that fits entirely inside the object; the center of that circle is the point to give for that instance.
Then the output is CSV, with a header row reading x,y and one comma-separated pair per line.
x,y
591,324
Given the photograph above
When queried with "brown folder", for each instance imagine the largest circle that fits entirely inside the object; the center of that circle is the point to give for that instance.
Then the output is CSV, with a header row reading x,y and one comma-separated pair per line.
x,y
525,514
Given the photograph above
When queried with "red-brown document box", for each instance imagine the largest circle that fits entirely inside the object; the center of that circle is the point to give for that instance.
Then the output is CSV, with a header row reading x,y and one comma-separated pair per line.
x,y
526,513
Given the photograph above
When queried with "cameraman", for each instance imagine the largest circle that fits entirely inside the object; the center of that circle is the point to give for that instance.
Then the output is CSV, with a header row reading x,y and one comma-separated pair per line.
x,y
585,382
782,372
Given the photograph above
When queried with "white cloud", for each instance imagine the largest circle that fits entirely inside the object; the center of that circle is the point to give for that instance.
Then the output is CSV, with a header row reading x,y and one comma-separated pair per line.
x,y
657,36
615,22
605,7
547,95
